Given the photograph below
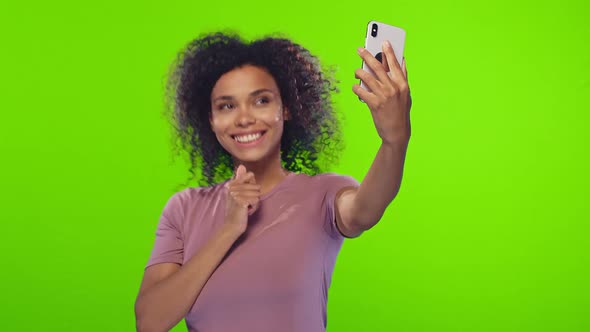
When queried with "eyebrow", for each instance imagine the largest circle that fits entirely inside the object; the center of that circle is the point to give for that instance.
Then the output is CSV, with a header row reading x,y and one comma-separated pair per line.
x,y
252,94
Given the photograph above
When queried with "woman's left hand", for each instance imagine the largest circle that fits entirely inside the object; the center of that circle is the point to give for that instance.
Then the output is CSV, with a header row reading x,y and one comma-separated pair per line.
x,y
389,99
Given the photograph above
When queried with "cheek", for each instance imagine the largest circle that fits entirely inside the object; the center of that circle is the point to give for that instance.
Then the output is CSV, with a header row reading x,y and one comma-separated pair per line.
x,y
278,115
218,124
277,121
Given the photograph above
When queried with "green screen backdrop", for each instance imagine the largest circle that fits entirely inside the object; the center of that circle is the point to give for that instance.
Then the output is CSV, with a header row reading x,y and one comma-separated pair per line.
x,y
488,233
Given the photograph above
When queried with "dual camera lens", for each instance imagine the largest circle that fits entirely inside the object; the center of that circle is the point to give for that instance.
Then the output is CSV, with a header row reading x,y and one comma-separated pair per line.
x,y
374,30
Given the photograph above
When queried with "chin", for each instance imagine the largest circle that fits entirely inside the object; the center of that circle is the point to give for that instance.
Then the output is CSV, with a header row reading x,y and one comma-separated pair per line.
x,y
253,156
250,157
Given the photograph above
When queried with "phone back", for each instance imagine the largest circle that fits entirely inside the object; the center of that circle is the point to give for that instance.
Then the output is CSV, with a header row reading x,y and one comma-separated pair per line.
x,y
377,33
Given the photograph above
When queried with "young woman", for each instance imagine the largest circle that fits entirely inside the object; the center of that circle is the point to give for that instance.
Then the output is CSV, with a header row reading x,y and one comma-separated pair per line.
x,y
256,251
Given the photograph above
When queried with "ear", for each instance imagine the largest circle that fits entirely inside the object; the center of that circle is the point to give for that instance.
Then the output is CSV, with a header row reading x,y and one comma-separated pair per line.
x,y
286,114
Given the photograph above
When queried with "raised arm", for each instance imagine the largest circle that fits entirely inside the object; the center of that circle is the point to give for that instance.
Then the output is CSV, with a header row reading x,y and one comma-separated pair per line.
x,y
389,102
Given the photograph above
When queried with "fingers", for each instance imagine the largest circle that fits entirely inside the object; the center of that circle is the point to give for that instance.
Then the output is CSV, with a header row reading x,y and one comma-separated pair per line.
x,y
247,200
373,85
363,94
239,187
390,55
396,72
389,77
374,64
240,171
404,69
243,176
244,190
385,63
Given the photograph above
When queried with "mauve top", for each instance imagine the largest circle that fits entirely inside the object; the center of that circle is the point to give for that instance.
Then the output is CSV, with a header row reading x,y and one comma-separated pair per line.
x,y
276,275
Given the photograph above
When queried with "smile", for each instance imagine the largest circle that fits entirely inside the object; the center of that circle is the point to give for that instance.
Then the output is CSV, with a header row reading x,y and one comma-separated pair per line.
x,y
249,140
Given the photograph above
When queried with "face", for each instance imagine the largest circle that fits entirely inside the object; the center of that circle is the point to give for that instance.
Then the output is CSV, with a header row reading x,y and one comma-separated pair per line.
x,y
247,114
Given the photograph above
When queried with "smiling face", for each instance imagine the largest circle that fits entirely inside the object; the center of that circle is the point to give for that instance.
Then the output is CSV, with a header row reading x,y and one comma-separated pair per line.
x,y
247,114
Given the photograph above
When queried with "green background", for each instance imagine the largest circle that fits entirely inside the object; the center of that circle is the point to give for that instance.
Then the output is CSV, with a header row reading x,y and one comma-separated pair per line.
x,y
488,233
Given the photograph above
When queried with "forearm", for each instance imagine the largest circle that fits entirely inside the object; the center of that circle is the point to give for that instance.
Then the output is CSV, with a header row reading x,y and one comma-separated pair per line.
x,y
166,303
381,184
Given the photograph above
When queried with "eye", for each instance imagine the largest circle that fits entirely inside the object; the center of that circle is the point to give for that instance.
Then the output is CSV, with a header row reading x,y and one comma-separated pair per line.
x,y
225,106
262,100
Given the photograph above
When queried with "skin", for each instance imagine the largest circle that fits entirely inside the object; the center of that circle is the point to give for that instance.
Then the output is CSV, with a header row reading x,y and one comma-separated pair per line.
x,y
247,99
235,108
168,290
389,102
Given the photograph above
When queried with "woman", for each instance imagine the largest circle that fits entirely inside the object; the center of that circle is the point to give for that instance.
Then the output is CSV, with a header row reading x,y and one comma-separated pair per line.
x,y
256,251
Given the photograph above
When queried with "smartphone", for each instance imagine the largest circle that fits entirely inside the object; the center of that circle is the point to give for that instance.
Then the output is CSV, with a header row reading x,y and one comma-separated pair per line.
x,y
377,33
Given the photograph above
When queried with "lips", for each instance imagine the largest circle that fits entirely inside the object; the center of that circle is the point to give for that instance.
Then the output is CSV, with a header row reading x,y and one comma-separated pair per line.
x,y
249,133
250,143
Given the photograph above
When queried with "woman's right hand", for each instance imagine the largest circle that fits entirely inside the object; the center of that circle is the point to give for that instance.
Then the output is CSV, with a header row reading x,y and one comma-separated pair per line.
x,y
243,198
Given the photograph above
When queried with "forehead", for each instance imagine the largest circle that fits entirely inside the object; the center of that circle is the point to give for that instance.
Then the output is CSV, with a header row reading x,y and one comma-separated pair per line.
x,y
243,80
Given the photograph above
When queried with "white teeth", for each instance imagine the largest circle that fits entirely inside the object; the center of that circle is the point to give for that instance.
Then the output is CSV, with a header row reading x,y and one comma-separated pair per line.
x,y
247,138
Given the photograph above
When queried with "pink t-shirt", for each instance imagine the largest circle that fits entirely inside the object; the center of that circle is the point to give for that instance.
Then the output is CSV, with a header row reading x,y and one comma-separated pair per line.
x,y
276,276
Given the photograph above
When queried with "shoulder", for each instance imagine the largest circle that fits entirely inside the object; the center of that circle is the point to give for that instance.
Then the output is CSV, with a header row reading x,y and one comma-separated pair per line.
x,y
179,201
335,179
201,193
328,184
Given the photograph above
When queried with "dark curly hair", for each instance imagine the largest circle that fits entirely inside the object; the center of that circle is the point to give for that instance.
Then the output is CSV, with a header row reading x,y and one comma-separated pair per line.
x,y
312,131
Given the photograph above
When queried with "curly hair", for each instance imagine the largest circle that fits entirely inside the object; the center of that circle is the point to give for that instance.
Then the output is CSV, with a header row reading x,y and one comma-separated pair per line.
x,y
313,131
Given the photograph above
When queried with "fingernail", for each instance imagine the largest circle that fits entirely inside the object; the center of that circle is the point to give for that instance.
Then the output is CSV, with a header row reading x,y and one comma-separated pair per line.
x,y
359,50
387,44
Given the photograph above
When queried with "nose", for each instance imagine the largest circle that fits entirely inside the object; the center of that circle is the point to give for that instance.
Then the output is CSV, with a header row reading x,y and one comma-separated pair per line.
x,y
244,117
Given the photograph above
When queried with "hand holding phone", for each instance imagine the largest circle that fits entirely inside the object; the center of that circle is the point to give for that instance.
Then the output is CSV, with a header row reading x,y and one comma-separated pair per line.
x,y
390,100
377,33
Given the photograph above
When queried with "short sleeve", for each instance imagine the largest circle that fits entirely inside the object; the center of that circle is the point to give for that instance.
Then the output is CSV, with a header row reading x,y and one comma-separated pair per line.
x,y
169,243
333,183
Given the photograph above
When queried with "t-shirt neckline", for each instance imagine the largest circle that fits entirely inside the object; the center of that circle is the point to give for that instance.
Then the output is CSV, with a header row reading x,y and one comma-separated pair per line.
x,y
277,186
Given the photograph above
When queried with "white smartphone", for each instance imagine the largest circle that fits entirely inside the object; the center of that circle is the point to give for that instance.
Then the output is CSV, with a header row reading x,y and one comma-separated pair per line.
x,y
377,33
